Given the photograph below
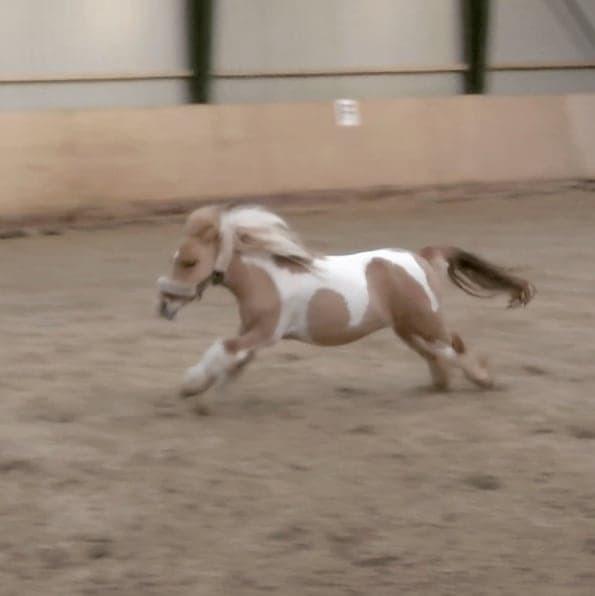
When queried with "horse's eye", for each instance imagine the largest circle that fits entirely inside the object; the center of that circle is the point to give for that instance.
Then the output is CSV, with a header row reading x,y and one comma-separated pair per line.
x,y
188,264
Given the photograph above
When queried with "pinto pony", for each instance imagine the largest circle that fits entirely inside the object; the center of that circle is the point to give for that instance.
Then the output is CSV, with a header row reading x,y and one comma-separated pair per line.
x,y
284,291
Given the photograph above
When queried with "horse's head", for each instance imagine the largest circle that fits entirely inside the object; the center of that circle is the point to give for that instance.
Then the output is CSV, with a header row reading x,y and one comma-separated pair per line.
x,y
193,262
212,236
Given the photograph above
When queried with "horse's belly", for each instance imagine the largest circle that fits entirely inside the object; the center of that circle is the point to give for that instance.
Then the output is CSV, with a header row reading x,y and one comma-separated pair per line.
x,y
341,336
331,307
332,320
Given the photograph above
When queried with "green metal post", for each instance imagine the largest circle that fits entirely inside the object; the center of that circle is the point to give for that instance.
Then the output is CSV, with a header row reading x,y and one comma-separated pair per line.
x,y
475,37
200,29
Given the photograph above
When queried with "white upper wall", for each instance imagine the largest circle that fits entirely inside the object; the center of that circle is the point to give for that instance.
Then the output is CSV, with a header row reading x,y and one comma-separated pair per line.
x,y
314,34
45,38
285,35
540,31
72,37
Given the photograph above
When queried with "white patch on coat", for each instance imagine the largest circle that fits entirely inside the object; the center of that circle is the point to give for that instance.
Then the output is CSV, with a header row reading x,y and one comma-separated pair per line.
x,y
344,274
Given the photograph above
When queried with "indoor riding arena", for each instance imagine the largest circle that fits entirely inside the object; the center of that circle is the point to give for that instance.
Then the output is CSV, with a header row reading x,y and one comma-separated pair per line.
x,y
320,471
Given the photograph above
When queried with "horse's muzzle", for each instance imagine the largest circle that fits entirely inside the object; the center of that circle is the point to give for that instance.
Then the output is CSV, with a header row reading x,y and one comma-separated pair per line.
x,y
176,290
172,296
168,308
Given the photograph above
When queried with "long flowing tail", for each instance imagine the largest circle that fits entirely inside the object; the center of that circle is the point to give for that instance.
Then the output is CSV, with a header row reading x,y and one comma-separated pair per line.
x,y
479,277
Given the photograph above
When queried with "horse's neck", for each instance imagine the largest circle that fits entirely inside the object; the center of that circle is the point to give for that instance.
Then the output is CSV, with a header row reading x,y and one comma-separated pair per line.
x,y
244,276
238,279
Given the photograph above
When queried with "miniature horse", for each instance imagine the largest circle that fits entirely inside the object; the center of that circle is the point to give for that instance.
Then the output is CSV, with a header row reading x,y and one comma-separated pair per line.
x,y
283,291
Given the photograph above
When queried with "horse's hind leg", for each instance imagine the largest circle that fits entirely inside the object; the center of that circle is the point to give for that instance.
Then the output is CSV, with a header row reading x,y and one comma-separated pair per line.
x,y
416,318
440,373
438,363
442,351
414,315
474,367
450,351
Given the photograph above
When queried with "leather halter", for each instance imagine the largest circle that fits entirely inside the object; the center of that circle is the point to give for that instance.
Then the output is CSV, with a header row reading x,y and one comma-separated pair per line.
x,y
217,277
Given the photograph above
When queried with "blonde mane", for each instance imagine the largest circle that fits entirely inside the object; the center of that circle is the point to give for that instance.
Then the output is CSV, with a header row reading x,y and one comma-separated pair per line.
x,y
255,230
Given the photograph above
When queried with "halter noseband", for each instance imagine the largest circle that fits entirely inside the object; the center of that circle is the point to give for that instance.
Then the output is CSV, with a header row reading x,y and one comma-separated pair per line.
x,y
172,288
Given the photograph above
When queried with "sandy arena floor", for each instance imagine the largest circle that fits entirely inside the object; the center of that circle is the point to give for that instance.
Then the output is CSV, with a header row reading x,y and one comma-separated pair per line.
x,y
323,471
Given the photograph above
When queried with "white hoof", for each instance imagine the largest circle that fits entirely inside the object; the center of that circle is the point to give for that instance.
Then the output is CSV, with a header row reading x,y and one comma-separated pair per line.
x,y
196,381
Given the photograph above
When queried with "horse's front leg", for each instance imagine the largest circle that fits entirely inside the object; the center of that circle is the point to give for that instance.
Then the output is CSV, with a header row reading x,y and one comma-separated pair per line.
x,y
223,360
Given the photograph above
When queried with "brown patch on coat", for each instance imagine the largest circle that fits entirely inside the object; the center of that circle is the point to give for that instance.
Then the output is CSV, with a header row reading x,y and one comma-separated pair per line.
x,y
232,346
328,320
432,253
328,317
457,344
259,303
403,302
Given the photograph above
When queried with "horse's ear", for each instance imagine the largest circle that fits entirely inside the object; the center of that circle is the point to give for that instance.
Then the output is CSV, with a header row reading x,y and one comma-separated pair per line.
x,y
210,233
205,231
203,224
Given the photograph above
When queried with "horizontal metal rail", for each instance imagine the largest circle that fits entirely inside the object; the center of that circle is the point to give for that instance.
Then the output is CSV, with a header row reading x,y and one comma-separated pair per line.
x,y
97,78
291,74
510,67
348,72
